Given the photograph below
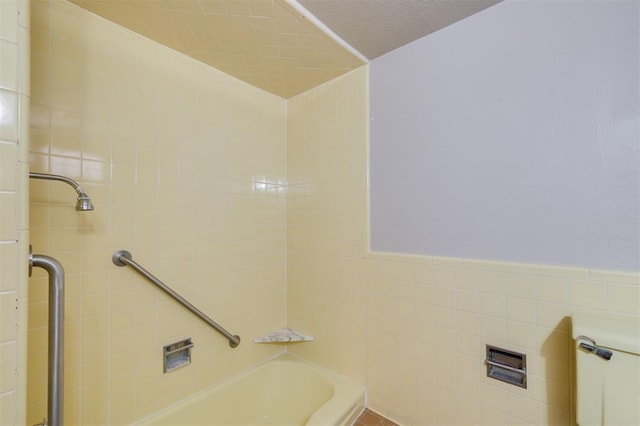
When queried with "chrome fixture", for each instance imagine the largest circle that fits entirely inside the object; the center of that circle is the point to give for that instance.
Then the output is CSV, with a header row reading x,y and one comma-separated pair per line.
x,y
590,345
55,397
123,258
84,202
176,355
506,366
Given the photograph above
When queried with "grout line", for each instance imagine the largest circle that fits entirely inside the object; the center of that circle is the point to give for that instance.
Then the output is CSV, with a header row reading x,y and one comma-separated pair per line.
x,y
328,31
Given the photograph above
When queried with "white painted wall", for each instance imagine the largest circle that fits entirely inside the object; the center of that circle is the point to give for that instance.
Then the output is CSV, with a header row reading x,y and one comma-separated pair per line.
x,y
512,135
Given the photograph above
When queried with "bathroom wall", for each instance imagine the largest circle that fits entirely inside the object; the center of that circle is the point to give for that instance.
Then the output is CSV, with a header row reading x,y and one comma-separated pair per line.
x,y
185,166
528,122
414,328
14,234
326,223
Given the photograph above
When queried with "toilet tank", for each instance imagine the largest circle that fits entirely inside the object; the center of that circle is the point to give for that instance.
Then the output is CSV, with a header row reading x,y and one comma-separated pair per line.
x,y
608,390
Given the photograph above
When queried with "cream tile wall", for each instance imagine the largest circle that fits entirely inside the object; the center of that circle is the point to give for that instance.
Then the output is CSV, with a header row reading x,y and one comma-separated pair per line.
x,y
14,112
415,328
325,232
185,166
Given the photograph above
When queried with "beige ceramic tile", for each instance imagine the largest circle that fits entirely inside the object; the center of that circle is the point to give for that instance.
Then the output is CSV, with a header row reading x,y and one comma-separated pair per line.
x,y
589,294
24,14
9,20
8,65
445,276
451,262
22,185
97,414
551,315
41,15
521,335
481,264
493,305
467,300
520,285
491,282
623,277
467,322
623,299
519,268
444,296
9,118
21,396
521,310
467,279
8,166
553,342
267,44
564,272
8,305
550,289
8,408
8,226
8,259
7,373
119,407
493,329
525,409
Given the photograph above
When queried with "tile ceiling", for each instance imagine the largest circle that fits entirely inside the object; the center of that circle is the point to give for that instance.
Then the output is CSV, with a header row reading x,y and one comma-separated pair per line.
x,y
274,44
375,27
263,42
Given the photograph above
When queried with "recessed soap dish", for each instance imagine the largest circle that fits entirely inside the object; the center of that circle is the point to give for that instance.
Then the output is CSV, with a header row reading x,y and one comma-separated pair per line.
x,y
507,366
177,355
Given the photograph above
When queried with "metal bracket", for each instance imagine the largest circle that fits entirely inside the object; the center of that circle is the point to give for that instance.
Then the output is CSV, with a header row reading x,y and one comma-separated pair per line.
x,y
590,345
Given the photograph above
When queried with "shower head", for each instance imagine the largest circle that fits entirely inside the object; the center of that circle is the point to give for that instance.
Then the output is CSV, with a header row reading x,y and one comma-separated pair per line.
x,y
84,202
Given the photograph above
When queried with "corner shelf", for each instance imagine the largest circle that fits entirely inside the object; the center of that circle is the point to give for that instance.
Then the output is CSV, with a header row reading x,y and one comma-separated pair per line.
x,y
284,335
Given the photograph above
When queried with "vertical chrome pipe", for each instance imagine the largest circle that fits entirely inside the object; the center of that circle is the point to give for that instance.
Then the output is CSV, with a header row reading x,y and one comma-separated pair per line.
x,y
55,397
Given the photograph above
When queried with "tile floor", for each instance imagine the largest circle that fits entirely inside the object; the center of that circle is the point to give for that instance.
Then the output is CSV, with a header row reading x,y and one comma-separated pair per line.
x,y
369,418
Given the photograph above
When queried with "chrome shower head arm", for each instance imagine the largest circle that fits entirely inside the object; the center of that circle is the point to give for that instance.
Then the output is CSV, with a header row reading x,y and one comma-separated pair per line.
x,y
84,202
46,176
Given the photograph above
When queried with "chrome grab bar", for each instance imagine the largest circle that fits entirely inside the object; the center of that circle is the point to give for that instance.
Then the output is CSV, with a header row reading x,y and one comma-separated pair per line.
x,y
55,380
123,258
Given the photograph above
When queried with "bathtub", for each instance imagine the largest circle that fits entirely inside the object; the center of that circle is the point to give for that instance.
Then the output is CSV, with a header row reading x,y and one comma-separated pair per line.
x,y
282,391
